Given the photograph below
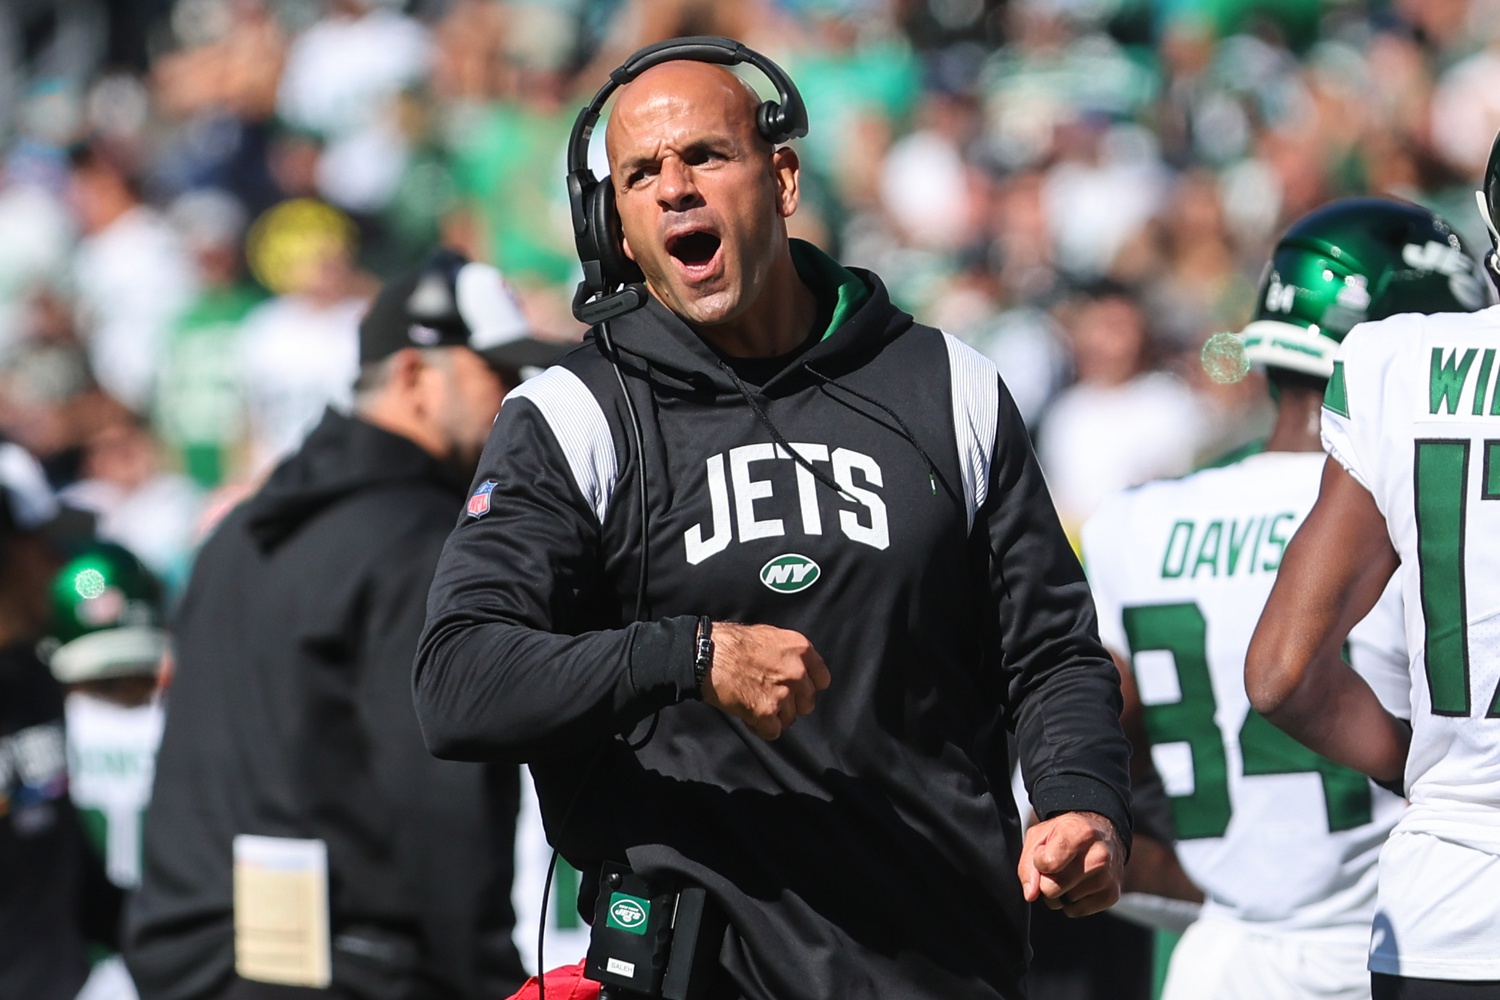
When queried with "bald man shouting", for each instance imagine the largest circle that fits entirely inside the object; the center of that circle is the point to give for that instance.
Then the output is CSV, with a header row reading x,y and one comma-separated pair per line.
x,y
759,579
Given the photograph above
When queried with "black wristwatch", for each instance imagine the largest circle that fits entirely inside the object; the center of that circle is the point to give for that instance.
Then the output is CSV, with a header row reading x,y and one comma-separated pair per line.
x,y
703,651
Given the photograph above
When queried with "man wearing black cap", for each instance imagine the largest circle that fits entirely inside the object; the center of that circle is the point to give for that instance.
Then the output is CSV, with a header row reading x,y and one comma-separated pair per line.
x,y
54,898
300,840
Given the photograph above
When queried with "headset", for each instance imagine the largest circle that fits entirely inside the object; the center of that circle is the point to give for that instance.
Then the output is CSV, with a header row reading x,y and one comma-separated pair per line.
x,y
612,285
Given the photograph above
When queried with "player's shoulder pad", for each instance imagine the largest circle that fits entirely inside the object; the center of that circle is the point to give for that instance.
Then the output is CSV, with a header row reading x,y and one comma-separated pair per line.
x,y
1116,520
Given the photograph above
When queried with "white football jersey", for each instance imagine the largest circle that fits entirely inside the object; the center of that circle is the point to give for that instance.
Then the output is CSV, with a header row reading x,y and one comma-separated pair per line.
x,y
111,762
1180,569
1413,413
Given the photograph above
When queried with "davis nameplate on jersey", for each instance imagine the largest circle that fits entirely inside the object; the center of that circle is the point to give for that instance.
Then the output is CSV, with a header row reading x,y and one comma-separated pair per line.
x,y
1224,546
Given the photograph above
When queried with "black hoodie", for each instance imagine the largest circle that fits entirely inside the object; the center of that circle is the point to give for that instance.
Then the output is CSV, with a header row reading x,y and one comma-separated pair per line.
x,y
872,849
290,715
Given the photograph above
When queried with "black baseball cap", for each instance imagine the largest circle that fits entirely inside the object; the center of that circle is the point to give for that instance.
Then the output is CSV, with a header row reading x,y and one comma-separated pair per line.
x,y
451,301
28,505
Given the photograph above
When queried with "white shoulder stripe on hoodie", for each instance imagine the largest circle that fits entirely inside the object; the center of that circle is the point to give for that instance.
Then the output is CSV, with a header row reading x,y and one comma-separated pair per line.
x,y
577,422
974,384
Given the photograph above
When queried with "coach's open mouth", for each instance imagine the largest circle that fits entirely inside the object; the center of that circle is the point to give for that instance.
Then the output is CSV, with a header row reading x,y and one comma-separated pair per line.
x,y
695,251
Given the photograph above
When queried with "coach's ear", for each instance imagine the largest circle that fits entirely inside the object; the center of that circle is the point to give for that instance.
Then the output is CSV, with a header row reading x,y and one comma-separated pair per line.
x,y
787,169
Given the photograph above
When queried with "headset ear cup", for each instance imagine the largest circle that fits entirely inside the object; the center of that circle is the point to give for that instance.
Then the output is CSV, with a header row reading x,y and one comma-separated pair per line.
x,y
600,232
604,223
770,120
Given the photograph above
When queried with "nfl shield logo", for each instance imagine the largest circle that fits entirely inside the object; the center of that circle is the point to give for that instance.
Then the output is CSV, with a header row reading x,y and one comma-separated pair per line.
x,y
479,503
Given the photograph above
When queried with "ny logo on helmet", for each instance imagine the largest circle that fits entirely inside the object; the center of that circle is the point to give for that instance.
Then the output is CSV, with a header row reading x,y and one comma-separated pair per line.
x,y
1463,278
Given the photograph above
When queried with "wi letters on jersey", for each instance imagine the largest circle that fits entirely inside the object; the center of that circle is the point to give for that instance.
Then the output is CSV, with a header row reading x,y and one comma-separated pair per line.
x,y
1276,836
1412,413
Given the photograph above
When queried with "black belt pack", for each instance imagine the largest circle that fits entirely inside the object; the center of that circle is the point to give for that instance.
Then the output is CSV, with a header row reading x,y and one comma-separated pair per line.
x,y
652,940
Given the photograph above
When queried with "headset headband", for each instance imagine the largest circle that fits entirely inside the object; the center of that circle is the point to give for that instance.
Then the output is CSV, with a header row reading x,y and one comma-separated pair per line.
x,y
611,283
693,48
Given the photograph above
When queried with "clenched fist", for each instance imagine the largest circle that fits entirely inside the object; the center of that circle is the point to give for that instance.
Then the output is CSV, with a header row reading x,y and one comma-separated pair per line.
x,y
1073,862
764,675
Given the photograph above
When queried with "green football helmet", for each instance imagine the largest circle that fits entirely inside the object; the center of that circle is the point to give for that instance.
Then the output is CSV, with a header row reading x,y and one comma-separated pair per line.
x,y
107,617
1355,260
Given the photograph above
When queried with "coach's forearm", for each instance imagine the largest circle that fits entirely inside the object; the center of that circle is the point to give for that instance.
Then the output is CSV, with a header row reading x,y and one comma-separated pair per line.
x,y
501,691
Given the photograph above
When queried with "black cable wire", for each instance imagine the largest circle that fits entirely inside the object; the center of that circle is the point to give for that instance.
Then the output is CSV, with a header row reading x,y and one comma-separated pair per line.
x,y
541,924
640,612
640,455
541,928
650,732
640,479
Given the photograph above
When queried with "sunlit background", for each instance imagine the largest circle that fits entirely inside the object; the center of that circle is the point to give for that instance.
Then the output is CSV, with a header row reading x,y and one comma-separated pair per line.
x,y
198,197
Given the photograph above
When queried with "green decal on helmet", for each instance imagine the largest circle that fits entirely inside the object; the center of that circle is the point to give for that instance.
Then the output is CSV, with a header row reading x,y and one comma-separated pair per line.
x,y
1355,260
106,617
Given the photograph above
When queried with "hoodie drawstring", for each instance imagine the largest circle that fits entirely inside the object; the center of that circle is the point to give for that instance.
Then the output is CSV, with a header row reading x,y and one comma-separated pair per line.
x,y
780,438
933,476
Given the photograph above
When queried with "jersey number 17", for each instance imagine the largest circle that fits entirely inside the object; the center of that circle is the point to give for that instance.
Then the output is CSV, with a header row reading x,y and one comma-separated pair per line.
x,y
1441,477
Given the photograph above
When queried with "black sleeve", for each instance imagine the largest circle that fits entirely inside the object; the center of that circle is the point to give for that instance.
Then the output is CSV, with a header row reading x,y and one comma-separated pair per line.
x,y
452,824
1062,688
505,669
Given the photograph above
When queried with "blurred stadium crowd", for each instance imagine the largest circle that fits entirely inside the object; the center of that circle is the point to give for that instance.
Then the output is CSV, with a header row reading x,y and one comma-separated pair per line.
x,y
199,197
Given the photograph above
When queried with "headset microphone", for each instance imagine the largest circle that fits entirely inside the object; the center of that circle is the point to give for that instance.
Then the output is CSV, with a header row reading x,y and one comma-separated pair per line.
x,y
612,284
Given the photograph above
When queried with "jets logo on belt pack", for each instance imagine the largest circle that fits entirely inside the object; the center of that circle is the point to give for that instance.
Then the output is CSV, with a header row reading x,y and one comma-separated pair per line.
x,y
628,913
479,503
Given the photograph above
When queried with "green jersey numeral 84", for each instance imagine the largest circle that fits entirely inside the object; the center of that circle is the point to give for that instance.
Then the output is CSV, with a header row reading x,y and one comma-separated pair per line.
x,y
1181,630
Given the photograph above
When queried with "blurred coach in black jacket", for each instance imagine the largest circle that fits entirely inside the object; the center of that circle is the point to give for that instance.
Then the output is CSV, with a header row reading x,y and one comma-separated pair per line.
x,y
291,714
